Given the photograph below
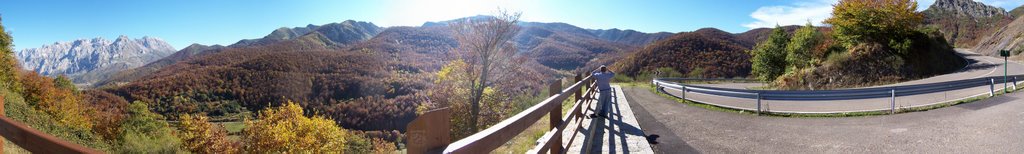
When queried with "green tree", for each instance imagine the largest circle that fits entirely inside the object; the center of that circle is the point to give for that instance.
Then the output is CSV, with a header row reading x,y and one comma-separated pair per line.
x,y
8,64
63,82
880,21
146,132
768,58
798,51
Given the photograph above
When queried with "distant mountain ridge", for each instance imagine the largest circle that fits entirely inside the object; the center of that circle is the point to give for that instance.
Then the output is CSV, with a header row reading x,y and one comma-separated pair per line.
x,y
332,34
88,60
310,37
965,22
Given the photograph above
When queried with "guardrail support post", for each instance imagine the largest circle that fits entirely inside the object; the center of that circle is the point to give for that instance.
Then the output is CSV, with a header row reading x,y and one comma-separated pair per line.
x,y
555,117
758,103
893,101
684,91
992,88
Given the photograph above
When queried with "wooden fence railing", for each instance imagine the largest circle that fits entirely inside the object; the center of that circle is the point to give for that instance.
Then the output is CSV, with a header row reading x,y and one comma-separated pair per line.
x,y
429,133
34,140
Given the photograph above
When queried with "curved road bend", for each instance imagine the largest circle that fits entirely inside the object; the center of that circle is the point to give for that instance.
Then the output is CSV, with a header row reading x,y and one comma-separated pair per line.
x,y
979,66
994,125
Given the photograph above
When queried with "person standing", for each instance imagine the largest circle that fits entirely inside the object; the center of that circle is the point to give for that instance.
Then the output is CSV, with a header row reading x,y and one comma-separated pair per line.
x,y
603,77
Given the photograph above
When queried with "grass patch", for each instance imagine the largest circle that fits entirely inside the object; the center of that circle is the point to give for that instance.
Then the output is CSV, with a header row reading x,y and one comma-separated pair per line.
x,y
234,129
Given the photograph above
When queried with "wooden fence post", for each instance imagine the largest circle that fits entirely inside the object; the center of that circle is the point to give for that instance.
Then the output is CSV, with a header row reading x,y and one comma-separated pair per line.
x,y
555,117
430,132
2,114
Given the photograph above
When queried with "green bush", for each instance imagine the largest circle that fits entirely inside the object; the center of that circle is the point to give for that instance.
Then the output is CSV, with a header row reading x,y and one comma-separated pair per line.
x,y
798,51
621,78
145,132
768,58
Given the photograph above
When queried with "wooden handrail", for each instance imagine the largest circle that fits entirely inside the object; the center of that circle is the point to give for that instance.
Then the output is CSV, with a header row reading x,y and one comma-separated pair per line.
x,y
491,138
34,140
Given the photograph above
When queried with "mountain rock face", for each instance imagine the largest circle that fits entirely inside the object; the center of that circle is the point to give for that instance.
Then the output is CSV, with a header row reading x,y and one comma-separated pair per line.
x,y
965,22
87,60
1005,38
969,8
333,34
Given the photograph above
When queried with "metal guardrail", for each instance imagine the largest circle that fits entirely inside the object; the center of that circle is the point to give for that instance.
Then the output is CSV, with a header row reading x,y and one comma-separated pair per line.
x,y
429,132
841,94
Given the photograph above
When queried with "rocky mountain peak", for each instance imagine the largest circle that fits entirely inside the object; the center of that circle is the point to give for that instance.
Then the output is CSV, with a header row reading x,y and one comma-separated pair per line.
x,y
969,8
84,59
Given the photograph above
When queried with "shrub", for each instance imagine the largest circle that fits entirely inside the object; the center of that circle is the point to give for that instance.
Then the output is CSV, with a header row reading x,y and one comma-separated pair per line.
x,y
198,135
146,132
799,48
286,130
621,78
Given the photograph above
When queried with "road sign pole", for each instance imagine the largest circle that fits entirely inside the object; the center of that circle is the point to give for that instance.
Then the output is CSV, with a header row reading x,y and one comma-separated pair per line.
x,y
1005,66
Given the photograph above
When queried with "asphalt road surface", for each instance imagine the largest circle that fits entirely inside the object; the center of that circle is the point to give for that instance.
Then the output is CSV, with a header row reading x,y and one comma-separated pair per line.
x,y
994,125
979,66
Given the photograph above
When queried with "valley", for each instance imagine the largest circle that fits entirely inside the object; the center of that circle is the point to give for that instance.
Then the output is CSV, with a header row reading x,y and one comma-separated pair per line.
x,y
353,86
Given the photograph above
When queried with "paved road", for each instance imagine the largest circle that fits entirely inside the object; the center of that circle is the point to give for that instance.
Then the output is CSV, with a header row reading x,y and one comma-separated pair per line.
x,y
980,66
994,125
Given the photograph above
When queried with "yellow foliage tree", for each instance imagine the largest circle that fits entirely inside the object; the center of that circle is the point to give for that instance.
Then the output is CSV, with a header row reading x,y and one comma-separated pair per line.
x,y
881,21
62,103
286,130
200,136
452,90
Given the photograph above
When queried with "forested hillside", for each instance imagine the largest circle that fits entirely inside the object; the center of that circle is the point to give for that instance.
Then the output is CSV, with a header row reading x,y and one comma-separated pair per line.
x,y
869,44
712,52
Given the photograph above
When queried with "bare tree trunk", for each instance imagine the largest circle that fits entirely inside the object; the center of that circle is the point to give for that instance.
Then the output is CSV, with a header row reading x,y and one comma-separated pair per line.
x,y
486,44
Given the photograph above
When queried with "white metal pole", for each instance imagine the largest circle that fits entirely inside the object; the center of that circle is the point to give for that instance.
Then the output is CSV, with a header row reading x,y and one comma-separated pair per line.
x,y
893,101
992,87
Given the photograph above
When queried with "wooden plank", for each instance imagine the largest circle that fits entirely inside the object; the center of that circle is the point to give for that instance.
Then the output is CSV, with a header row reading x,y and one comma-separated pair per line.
x,y
430,132
36,141
491,138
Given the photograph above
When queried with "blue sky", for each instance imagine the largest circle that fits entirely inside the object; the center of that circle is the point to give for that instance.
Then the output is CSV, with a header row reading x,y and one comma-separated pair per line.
x,y
34,23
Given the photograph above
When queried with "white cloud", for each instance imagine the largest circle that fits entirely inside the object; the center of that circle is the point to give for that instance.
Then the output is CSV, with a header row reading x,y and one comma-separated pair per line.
x,y
795,14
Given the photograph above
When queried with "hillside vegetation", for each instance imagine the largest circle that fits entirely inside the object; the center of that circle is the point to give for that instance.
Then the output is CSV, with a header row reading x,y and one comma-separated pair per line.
x,y
716,53
872,42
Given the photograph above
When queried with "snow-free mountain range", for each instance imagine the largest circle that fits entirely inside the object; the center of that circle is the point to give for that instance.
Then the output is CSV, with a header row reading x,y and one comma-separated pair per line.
x,y
88,60
556,46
